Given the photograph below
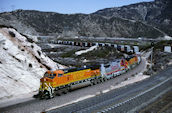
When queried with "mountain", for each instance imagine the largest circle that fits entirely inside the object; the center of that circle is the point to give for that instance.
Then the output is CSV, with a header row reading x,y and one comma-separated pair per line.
x,y
22,64
157,14
136,20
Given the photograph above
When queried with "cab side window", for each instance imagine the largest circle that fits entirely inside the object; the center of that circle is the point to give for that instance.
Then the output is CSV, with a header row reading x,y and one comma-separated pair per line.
x,y
52,75
59,75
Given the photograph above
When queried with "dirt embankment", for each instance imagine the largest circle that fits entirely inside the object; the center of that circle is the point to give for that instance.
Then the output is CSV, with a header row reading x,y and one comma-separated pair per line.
x,y
160,59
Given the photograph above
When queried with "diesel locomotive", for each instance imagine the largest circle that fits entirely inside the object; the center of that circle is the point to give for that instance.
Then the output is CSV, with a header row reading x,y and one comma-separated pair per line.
x,y
63,80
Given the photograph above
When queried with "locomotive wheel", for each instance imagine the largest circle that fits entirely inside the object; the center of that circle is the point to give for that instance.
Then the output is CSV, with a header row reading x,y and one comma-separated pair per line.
x,y
47,97
104,79
59,92
101,80
92,83
95,82
66,90
98,81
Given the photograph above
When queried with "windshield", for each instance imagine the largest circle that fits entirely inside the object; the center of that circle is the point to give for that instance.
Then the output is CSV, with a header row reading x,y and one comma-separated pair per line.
x,y
52,76
46,74
49,75
59,75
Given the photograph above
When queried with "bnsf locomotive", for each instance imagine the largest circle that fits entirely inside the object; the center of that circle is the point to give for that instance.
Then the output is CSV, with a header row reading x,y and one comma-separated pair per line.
x,y
62,80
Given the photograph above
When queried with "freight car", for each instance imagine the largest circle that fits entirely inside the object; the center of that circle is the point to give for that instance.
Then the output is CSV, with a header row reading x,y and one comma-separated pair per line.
x,y
62,80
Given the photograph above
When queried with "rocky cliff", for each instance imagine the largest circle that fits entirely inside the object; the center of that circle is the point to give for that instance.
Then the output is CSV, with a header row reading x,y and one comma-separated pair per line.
x,y
22,64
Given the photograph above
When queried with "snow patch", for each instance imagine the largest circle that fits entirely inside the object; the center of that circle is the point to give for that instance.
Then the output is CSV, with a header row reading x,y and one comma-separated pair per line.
x,y
85,60
170,62
53,45
167,37
85,51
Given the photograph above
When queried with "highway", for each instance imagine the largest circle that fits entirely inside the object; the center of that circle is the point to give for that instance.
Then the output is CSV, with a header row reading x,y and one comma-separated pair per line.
x,y
36,105
127,99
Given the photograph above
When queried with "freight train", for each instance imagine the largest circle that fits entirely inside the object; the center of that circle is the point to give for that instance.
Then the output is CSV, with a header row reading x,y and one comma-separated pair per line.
x,y
61,81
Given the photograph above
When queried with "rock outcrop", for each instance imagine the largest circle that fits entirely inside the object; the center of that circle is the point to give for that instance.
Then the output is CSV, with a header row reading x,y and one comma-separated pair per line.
x,y
22,64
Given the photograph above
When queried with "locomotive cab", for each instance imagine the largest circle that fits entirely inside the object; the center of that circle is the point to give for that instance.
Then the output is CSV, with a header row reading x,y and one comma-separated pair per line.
x,y
49,81
53,74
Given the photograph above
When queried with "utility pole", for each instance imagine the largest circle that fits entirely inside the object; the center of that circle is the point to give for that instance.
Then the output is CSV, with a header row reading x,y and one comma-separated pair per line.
x,y
152,44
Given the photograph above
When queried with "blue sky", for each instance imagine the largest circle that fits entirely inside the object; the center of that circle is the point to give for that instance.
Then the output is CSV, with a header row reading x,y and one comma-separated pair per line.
x,y
64,6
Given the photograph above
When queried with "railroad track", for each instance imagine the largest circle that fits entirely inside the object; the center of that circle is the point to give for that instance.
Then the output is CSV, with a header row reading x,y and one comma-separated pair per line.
x,y
127,99
160,105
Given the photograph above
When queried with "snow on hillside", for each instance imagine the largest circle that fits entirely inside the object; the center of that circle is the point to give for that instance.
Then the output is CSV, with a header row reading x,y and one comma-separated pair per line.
x,y
167,37
22,64
85,51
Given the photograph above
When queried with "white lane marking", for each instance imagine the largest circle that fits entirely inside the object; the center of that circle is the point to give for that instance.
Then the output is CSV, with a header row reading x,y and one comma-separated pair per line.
x,y
105,91
140,94
80,99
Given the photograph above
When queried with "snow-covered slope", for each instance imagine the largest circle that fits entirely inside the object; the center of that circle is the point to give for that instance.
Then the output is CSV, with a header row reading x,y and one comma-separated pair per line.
x,y
85,51
22,64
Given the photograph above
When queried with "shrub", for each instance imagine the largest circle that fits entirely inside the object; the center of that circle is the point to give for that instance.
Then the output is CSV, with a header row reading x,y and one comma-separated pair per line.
x,y
30,65
68,54
32,46
16,59
133,75
39,53
30,40
12,34
126,79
